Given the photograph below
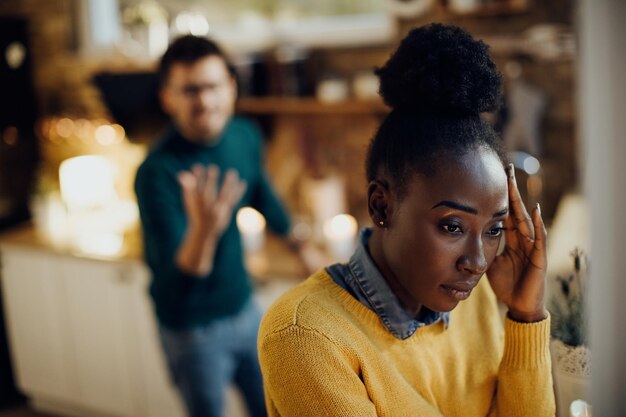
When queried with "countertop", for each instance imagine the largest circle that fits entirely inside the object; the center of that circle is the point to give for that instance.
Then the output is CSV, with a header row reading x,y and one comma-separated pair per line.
x,y
274,262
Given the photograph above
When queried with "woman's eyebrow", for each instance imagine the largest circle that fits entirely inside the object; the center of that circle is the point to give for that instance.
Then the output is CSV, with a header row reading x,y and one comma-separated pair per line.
x,y
467,209
456,206
501,212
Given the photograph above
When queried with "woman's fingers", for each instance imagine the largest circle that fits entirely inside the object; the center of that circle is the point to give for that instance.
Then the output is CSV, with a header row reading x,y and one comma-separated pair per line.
x,y
539,256
517,210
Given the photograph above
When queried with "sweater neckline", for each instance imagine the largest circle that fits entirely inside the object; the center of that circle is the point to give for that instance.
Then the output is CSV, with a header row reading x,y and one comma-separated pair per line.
x,y
367,315
185,144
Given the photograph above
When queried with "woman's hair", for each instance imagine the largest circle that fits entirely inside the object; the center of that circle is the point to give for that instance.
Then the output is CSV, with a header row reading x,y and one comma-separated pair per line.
x,y
188,49
437,82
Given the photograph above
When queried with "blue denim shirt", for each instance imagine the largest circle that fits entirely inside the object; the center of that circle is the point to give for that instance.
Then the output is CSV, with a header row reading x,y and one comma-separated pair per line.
x,y
362,279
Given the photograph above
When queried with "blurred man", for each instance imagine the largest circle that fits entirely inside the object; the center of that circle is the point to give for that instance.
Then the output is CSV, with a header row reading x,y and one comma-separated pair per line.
x,y
189,188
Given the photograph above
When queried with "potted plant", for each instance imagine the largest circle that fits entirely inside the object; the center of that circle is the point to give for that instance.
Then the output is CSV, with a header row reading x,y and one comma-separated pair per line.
x,y
571,356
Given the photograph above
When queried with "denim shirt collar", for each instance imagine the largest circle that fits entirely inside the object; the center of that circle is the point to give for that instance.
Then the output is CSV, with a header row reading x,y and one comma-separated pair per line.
x,y
361,278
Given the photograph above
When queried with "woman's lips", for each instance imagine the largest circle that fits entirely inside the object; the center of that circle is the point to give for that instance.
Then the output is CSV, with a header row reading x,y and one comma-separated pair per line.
x,y
458,291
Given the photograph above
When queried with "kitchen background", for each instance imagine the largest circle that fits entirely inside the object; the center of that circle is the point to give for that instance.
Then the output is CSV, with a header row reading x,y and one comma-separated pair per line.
x,y
305,76
76,80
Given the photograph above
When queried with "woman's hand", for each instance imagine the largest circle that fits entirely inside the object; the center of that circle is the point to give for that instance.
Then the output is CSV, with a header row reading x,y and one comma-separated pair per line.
x,y
517,275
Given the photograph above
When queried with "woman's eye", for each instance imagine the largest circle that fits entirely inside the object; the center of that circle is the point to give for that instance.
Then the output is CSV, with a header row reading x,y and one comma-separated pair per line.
x,y
496,231
452,228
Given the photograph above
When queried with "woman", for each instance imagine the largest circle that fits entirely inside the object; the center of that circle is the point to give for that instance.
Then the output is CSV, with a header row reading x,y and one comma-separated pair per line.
x,y
395,332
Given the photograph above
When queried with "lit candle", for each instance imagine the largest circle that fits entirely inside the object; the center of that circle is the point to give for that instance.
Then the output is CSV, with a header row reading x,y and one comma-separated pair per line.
x,y
326,198
251,224
88,191
86,181
340,234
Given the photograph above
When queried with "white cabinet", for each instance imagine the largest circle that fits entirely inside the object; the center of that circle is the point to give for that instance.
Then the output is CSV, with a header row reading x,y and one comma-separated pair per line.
x,y
103,331
161,399
82,335
39,334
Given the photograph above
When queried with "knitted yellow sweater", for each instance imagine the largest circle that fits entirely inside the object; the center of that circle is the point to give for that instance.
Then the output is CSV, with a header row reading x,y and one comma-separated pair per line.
x,y
323,353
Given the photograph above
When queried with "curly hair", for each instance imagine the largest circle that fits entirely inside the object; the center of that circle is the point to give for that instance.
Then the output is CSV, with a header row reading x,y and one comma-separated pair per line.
x,y
437,82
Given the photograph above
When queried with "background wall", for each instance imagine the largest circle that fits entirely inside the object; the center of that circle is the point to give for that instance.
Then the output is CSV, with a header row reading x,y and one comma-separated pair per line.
x,y
63,84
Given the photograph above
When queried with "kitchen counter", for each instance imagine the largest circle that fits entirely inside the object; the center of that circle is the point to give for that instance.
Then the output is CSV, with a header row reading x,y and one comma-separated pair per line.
x,y
26,235
274,262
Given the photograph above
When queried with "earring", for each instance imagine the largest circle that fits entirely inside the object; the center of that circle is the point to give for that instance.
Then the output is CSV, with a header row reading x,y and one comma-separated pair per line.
x,y
381,223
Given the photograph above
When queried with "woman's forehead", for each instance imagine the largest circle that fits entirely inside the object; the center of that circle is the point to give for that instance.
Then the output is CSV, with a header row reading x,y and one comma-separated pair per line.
x,y
476,178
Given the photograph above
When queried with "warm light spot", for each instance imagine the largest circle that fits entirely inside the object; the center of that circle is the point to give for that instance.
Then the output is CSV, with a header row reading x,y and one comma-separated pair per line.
x,y
15,55
251,224
10,136
340,233
106,135
193,23
86,181
84,130
340,226
119,131
101,244
250,220
64,127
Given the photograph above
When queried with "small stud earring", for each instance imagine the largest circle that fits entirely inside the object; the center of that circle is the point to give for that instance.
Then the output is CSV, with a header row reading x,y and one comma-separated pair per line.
x,y
381,223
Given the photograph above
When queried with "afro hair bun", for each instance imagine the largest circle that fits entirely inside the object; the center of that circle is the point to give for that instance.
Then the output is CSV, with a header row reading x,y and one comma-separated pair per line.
x,y
440,68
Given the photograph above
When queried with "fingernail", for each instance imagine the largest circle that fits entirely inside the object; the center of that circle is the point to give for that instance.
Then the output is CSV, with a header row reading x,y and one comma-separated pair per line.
x,y
538,208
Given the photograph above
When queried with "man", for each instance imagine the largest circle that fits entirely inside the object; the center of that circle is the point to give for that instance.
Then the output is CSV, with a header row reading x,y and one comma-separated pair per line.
x,y
189,187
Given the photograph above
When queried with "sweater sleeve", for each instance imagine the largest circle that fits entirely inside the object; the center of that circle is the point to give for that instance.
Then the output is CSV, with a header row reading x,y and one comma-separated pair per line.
x,y
263,196
267,202
524,377
307,374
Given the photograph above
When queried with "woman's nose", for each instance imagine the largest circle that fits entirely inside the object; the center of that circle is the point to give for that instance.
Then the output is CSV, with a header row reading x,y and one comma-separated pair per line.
x,y
473,260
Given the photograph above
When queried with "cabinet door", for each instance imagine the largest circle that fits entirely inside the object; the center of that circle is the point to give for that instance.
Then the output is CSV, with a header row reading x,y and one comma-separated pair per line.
x,y
38,331
100,299
162,400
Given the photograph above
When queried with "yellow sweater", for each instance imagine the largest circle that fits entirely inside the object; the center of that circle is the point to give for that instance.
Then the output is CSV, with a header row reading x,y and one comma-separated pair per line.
x,y
323,353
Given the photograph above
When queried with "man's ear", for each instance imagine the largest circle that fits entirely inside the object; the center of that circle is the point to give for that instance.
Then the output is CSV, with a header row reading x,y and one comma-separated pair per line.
x,y
379,202
165,99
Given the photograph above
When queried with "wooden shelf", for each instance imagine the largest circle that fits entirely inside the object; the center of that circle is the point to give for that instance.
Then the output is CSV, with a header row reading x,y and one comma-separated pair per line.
x,y
309,106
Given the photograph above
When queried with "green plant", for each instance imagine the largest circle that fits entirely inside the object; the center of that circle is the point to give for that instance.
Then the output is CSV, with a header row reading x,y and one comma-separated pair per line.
x,y
568,308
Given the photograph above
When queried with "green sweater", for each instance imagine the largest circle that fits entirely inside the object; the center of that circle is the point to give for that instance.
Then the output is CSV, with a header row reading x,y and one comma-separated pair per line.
x,y
183,301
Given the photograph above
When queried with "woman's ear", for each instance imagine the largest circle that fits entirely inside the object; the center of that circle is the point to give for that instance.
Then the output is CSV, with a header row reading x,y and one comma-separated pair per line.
x,y
379,202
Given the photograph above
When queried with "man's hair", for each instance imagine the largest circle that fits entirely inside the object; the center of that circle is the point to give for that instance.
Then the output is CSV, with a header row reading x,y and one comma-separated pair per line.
x,y
188,49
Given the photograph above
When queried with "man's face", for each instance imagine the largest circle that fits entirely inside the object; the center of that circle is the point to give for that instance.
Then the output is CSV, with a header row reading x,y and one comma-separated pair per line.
x,y
200,98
